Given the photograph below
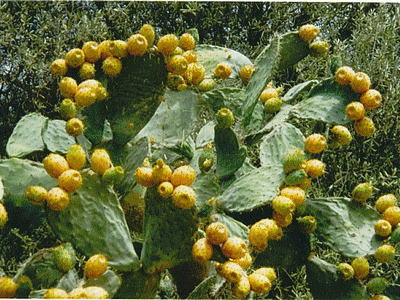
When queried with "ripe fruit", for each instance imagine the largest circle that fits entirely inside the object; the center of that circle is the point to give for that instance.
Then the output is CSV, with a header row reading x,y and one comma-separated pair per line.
x,y
380,297
55,164
165,189
282,220
91,50
70,180
202,250
268,93
371,99
95,292
364,127
231,271
385,253
112,66
148,32
360,82
184,175
258,236
246,72
308,32
57,199
392,215
55,293
341,134
273,105
283,205
187,41
222,70
217,233
184,197
36,194
75,58
242,288
77,293
361,267
190,56
362,192
318,48
315,143
314,168
244,262
259,283
68,87
161,172
167,44
74,127
113,175
234,247
8,287
62,259
118,48
85,96
308,224
274,231
104,47
67,109
376,285
293,160
295,193
76,157
225,118
100,161
144,174
195,73
87,71
383,228
95,266
384,202
206,85
177,65
267,272
345,271
355,111
59,67
137,45
344,75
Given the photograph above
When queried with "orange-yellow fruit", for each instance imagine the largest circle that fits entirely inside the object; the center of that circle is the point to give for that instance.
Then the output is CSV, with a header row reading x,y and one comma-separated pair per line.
x,y
100,161
268,93
77,293
68,87
94,84
55,164
234,247
241,288
36,195
360,83
167,44
177,64
314,168
195,73
3,215
190,56
85,96
283,205
165,189
344,75
282,220
345,271
112,66
187,41
385,253
59,67
87,71
245,261
362,192
361,267
383,228
95,292
384,202
8,287
76,157
342,134
392,215
315,143
355,111
308,32
75,58
259,283
137,45
74,127
184,197
148,32
104,48
222,70
274,231
318,48
184,175
55,293
364,127
57,199
118,48
380,297
246,72
231,271
70,180
161,172
92,52
202,250
267,272
295,193
258,236
217,233
371,99
95,266
144,174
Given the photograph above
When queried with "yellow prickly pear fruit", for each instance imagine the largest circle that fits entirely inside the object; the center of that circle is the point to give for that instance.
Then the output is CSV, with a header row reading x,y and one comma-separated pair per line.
x,y
345,271
95,292
148,32
184,197
76,157
8,287
95,266
36,194
234,247
176,82
216,233
67,109
355,111
392,215
183,175
103,93
113,175
225,118
314,168
282,220
258,236
318,48
55,164
268,93
167,44
259,283
283,205
3,215
361,267
118,48
74,127
360,82
137,45
112,66
190,56
344,75
231,271
104,48
206,85
92,52
295,193
385,253
245,261
308,32
57,199
371,99
144,174
87,71
85,96
380,297
202,250
274,231
241,288
267,272
246,72
59,67
273,105
383,228
70,180
384,202
315,143
100,161
187,41
195,73
222,70
341,134
75,58
161,172
177,65
362,192
77,293
165,189
364,127
55,293
68,87
293,160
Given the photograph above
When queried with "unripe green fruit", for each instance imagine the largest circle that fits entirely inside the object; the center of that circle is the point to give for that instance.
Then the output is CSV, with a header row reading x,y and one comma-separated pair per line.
x,y
246,72
113,175
190,55
55,293
371,99
242,288
392,215
341,134
62,259
293,160
67,109
267,272
184,197
344,75
202,250
273,105
283,205
362,192
308,32
376,285
76,157
137,45
74,127
231,271
355,111
216,233
315,143
195,73
87,71
57,199
318,48
314,168
112,66
24,287
384,202
295,177
3,215
118,48
148,32
234,247
225,118
308,224
184,175
206,158
161,172
259,283
92,51
360,83
8,287
361,267
55,164
165,189
167,44
59,67
345,271
206,85
75,58
222,70
68,87
36,195
177,65
187,41
364,127
100,161
95,266
70,180
383,228
385,253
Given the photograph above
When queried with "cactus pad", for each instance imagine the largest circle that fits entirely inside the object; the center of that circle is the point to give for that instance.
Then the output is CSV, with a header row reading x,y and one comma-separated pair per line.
x,y
56,138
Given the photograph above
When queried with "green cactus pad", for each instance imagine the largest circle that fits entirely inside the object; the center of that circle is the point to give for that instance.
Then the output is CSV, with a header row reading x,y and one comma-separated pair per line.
x,y
109,281
275,145
139,285
235,228
228,97
27,136
230,156
292,49
203,290
345,226
93,118
69,281
99,224
56,138
206,186
292,94
324,283
326,102
205,135
254,189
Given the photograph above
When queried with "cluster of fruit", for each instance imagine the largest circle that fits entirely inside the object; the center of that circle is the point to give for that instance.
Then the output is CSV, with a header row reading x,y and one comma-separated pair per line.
x,y
270,98
170,184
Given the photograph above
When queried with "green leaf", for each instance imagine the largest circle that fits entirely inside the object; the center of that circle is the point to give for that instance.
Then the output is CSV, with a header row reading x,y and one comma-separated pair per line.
x,y
235,228
94,223
327,102
56,138
345,226
27,136
292,94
